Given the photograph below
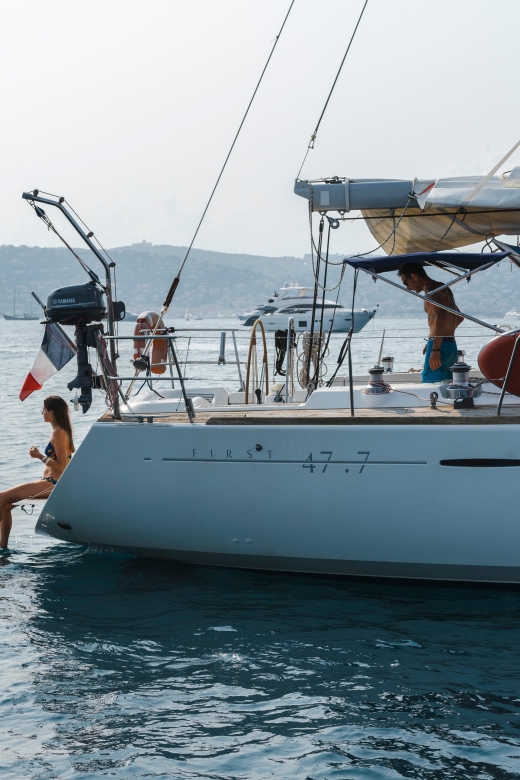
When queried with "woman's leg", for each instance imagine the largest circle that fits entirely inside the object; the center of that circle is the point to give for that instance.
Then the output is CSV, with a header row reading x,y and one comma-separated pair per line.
x,y
40,489
5,526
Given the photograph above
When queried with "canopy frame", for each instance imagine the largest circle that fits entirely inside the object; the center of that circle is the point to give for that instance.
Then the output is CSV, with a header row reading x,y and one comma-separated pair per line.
x,y
429,299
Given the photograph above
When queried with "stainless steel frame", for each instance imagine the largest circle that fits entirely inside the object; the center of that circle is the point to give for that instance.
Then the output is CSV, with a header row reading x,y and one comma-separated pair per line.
x,y
34,197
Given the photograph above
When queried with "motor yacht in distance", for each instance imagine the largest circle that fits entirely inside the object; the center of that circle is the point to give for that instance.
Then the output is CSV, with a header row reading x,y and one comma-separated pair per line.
x,y
250,317
297,302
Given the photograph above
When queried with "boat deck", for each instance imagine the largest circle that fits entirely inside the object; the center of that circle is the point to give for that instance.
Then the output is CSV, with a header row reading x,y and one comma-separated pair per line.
x,y
445,415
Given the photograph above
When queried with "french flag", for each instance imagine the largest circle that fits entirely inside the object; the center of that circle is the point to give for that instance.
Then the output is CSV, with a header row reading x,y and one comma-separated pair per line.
x,y
55,352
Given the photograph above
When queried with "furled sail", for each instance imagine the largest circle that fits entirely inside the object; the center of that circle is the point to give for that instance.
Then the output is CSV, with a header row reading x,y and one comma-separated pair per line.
x,y
452,213
435,228
424,215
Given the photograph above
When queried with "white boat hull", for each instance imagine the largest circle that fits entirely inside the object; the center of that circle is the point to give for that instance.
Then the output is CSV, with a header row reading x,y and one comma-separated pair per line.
x,y
360,500
340,322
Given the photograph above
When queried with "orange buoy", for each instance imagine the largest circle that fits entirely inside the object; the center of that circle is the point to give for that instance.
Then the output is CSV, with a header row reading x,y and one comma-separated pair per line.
x,y
144,325
494,359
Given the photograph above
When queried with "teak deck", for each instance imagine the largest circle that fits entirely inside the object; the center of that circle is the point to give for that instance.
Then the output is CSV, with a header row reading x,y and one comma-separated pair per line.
x,y
445,415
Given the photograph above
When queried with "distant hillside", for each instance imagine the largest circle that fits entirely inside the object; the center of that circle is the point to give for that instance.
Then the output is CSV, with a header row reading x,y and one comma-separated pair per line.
x,y
217,282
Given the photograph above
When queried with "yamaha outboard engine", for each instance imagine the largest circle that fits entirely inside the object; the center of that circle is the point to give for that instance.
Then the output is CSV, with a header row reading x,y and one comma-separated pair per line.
x,y
82,305
75,305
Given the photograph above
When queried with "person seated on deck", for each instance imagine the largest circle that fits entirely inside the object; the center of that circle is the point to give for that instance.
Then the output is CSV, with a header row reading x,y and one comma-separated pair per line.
x,y
440,353
56,458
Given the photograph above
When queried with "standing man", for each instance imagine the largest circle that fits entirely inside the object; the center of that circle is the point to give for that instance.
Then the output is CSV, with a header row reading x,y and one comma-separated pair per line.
x,y
441,350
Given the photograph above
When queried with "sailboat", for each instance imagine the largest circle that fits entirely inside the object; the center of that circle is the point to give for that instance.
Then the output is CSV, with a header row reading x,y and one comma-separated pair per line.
x,y
192,316
359,454
375,475
24,316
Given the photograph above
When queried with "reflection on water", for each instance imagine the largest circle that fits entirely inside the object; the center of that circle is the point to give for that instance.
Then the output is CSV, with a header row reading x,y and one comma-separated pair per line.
x,y
119,667
135,668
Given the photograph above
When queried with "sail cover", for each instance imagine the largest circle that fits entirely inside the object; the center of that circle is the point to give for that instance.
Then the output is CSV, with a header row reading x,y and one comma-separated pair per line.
x,y
451,213
423,215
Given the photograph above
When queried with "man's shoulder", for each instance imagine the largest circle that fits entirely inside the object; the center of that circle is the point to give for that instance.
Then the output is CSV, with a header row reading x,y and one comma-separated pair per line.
x,y
431,290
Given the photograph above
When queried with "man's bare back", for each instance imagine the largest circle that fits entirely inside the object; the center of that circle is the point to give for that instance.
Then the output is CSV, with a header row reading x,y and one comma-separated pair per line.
x,y
441,322
441,349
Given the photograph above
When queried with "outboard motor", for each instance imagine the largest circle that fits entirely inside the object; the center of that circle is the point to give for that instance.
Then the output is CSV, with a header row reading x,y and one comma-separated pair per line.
x,y
78,304
82,305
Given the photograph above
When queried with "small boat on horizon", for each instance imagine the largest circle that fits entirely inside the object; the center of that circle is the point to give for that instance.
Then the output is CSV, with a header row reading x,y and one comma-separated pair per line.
x,y
23,316
18,317
188,316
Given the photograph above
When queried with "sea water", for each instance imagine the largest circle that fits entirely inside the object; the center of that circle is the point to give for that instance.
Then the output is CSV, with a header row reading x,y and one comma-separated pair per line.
x,y
118,667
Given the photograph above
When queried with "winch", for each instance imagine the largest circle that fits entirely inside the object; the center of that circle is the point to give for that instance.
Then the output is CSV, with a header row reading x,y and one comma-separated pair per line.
x,y
376,385
460,388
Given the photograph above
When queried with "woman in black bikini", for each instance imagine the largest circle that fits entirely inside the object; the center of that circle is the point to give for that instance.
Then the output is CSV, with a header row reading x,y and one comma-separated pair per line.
x,y
56,458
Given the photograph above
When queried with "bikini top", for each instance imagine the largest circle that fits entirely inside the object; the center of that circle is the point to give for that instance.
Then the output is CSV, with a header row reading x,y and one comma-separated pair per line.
x,y
49,451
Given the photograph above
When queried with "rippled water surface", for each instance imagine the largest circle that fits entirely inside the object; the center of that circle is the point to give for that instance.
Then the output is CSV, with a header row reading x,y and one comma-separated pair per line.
x,y
118,667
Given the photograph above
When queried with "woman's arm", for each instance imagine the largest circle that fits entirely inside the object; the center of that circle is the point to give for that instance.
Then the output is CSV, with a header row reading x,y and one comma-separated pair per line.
x,y
60,441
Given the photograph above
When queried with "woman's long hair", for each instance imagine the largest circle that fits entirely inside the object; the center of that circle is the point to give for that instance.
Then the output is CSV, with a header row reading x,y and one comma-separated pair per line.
x,y
60,409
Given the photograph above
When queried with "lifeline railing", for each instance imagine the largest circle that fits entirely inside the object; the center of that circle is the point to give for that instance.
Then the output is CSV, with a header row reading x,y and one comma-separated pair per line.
x,y
175,363
171,338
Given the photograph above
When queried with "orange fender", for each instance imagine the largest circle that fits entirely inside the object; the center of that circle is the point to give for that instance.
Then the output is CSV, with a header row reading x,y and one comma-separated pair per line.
x,y
494,358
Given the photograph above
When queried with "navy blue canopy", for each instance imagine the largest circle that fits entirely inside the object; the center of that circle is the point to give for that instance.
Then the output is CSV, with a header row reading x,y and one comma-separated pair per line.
x,y
468,261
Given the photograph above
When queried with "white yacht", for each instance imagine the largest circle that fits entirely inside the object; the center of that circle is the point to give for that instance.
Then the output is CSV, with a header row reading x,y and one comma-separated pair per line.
x,y
297,302
250,317
512,313
374,476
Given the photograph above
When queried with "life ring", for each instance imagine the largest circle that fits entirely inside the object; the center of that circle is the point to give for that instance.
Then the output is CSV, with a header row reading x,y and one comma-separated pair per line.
x,y
144,325
494,359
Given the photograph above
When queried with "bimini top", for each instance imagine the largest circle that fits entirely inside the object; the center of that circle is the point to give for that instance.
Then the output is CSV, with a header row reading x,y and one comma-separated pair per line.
x,y
465,261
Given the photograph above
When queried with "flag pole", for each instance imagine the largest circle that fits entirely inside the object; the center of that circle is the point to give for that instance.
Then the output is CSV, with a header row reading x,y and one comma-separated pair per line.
x,y
58,327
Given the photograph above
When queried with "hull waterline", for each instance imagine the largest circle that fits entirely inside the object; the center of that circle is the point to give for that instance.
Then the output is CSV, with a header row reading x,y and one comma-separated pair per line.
x,y
364,500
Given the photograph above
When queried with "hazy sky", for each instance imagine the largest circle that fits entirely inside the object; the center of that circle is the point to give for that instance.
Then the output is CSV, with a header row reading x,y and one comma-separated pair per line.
x,y
128,109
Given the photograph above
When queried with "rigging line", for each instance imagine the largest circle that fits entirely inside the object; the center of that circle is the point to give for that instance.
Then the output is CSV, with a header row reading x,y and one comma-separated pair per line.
x,y
174,285
347,344
334,310
325,260
452,222
89,231
45,219
64,200
313,136
176,281
468,213
411,196
320,356
313,315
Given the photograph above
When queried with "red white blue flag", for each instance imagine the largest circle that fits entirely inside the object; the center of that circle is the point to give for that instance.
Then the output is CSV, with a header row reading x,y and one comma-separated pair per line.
x,y
55,352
